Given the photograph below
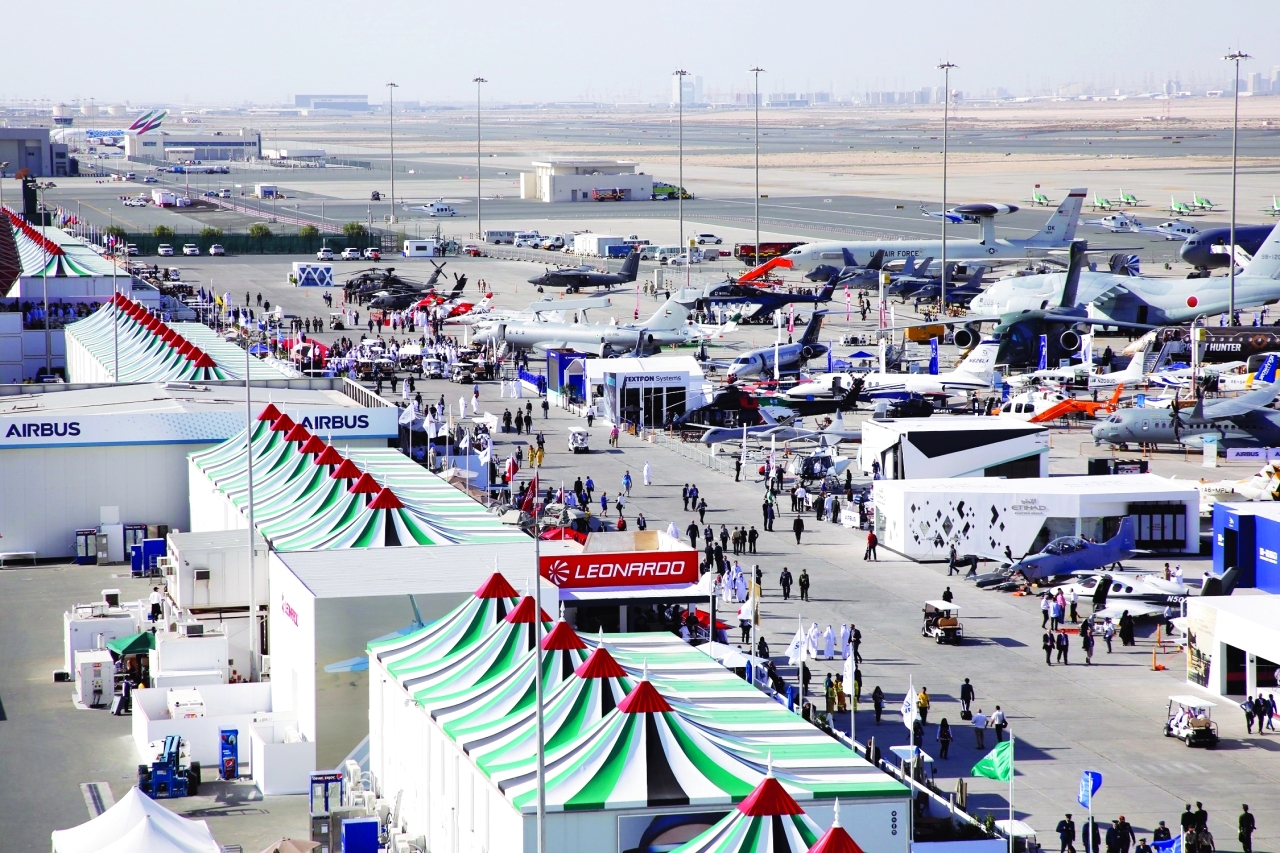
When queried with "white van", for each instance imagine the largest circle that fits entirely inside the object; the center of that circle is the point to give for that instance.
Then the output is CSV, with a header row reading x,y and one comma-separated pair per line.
x,y
664,254
527,238
498,237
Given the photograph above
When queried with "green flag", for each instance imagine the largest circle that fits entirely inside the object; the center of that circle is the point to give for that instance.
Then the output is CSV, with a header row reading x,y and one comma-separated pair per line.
x,y
998,763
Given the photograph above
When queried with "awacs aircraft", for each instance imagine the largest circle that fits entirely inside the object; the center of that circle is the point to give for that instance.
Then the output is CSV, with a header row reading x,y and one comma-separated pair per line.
x,y
1242,421
578,278
971,213
1207,249
973,374
666,327
1057,233
1070,554
749,303
791,357
1137,301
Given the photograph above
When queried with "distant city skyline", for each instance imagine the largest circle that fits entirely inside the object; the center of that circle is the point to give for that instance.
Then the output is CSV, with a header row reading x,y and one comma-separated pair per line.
x,y
588,53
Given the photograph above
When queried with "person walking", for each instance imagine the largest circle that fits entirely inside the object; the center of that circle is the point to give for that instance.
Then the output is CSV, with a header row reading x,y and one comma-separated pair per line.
x,y
1246,706
1046,609
952,561
947,595
784,581
693,531
966,697
648,476
1063,648
752,536
684,496
590,486
546,407
1086,643
804,584
855,640
702,510
1248,825
1066,830
770,514
872,542
1073,601
1125,835
626,483
591,416
944,738
980,729
737,469
999,722
797,527
922,705
877,702
1047,643
1261,710
1108,633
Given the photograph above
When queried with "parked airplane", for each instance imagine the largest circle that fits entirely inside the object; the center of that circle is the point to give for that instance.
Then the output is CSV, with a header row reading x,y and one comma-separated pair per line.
x,y
1273,210
1039,199
974,373
1057,233
747,302
1201,203
1128,199
1208,250
1174,229
828,272
1177,208
1131,375
1102,203
1071,554
971,213
578,278
1115,223
666,327
790,357
961,293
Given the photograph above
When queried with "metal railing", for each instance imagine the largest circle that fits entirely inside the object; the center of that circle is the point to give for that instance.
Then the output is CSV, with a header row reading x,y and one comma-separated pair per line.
x,y
695,452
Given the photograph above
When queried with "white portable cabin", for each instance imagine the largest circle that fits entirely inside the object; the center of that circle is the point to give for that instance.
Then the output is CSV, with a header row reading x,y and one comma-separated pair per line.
x,y
420,249
953,446
595,244
311,275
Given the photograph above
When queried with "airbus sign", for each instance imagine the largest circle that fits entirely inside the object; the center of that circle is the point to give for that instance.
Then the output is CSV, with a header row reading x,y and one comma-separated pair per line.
x,y
633,569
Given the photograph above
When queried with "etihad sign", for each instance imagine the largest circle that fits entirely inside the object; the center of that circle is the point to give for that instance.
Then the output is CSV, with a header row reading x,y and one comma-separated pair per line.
x,y
579,571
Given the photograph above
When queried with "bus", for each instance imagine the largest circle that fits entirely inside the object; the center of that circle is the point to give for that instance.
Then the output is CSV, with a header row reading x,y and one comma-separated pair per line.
x,y
746,252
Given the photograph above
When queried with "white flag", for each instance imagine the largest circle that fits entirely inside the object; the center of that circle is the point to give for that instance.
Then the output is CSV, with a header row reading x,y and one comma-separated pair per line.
x,y
910,712
795,651
848,675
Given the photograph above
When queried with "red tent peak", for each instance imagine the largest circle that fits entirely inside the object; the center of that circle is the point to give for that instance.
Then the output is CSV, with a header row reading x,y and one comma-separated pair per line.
x,y
314,444
522,613
644,699
600,664
562,638
298,433
284,423
366,485
329,456
836,839
195,353
270,413
184,346
769,798
496,587
346,470
386,499
204,360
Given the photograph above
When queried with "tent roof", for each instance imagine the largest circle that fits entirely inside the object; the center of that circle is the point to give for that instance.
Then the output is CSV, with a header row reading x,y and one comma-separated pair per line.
x,y
154,836
134,644
130,811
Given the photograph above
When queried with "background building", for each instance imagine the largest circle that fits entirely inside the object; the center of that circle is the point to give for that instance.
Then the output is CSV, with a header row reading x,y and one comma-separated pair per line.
x,y
337,103
586,180
244,144
29,148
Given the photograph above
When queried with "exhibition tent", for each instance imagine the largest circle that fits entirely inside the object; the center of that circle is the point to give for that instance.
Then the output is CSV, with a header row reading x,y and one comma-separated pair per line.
x,y
768,821
461,628
132,810
151,836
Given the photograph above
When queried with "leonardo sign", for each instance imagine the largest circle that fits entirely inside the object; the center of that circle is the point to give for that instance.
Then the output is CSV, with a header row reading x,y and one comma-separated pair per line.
x,y
641,568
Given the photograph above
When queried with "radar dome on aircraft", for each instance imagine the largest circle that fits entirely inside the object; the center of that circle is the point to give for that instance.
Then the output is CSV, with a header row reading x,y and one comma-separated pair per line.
x,y
984,209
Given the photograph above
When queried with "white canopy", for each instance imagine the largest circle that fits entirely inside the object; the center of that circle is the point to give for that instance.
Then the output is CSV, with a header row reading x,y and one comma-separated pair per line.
x,y
136,823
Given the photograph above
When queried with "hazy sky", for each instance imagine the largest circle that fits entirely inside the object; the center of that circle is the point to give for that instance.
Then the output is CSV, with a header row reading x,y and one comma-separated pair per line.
x,y
233,52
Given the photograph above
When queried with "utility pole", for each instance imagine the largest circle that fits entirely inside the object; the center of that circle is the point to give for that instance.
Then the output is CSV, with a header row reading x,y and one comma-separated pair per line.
x,y
248,437
946,115
680,74
391,113
479,219
1235,132
756,103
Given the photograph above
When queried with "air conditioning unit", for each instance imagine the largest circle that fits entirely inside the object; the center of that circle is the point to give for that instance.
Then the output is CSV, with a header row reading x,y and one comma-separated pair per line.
x,y
192,629
202,574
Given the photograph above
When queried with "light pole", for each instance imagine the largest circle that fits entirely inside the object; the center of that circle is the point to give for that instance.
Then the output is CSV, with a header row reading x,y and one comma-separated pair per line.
x,y
946,116
391,113
1235,131
756,102
44,280
248,437
479,220
680,74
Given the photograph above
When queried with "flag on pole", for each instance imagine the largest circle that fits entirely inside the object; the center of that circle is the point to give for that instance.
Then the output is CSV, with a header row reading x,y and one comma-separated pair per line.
x,y
795,651
791,318
910,707
846,303
1170,845
997,764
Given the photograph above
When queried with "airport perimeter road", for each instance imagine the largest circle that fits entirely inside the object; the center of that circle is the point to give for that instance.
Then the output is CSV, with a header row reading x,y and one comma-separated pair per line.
x,y
1107,717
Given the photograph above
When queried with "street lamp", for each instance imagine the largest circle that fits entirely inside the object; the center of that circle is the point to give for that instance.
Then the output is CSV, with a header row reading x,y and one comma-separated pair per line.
x,y
945,67
249,335
391,113
44,280
680,74
1235,131
756,102
479,221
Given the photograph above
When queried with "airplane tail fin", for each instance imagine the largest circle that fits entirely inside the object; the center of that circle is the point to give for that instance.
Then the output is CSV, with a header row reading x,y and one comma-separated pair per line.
x,y
981,361
671,316
877,260
933,356
1061,227
909,268
631,268
849,260
814,328
1267,372
1266,261
828,290
1043,363
1071,287
1115,397
1124,537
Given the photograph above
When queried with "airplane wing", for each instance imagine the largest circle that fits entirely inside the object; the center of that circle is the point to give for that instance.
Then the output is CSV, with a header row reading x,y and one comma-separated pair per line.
x,y
1097,321
1244,404
1136,609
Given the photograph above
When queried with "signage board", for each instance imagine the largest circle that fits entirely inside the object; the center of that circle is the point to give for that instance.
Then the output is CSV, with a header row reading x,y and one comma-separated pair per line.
x,y
626,569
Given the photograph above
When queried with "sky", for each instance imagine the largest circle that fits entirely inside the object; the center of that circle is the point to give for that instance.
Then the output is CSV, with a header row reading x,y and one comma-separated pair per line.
x,y
151,52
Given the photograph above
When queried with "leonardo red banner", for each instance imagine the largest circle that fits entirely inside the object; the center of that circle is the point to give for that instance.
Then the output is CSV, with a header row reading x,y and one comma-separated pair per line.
x,y
640,568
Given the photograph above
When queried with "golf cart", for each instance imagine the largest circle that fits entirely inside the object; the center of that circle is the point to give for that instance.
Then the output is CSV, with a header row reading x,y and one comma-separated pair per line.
x,y
1189,721
941,622
579,441
337,321
433,368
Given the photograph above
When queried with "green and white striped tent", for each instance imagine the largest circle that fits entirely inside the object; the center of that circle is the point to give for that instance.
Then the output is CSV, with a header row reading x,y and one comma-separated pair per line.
x,y
53,253
768,821
461,628
151,350
308,495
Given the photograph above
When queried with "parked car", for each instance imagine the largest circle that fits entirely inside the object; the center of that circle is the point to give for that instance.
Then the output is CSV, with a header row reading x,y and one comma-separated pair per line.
x,y
224,193
685,258
164,250
130,176
325,254
372,254
131,249
471,250
149,179
350,254
190,249
704,239
216,249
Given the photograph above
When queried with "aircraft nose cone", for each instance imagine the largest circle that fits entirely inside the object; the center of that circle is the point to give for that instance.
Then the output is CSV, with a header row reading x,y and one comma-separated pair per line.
x,y
537,279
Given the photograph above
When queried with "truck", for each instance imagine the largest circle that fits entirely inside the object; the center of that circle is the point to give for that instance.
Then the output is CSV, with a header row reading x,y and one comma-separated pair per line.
x,y
595,244
746,252
498,237
163,198
611,194
665,192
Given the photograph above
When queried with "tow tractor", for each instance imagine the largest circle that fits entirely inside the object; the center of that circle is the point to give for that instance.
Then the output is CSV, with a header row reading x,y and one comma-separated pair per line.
x,y
167,777
941,622
1189,721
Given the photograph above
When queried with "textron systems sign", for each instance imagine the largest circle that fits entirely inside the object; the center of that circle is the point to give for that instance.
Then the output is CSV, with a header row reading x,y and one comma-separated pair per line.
x,y
636,568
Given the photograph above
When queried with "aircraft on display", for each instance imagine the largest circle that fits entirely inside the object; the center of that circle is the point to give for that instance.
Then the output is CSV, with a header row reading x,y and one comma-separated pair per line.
x,y
851,273
1072,554
1039,199
1174,229
1115,223
791,357
1102,203
1043,405
748,302
1177,208
1106,299
1208,250
401,296
1128,199
1057,233
1273,210
728,412
1201,203
969,213
667,327
961,293
578,278
1138,593
1131,375
974,373
110,138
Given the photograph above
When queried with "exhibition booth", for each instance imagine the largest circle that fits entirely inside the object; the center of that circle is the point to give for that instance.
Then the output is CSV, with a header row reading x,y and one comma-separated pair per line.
x,y
1233,643
646,391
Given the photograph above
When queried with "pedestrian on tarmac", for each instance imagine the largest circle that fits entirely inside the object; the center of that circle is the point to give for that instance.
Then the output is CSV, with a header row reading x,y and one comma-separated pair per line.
x,y
1066,830
590,486
752,536
804,584
999,722
702,509
1048,643
693,531
1248,825
966,696
944,738
952,562
980,729
872,542
1124,835
684,496
797,527
1063,647
784,581
626,483
877,702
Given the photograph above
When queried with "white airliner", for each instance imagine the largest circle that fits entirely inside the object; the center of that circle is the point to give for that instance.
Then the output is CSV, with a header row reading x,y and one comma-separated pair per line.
x,y
1057,233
